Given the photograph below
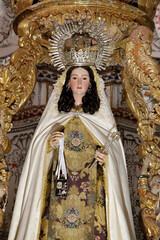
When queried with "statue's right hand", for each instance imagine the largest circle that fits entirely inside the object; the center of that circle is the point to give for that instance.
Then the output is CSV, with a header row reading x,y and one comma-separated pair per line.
x,y
147,161
55,136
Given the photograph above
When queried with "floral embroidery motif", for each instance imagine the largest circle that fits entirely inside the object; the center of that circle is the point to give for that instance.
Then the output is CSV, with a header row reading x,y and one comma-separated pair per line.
x,y
75,143
85,186
100,199
76,138
72,220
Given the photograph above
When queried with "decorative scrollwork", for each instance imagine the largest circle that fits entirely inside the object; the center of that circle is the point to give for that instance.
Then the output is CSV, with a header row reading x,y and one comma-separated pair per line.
x,y
19,5
148,6
18,79
142,69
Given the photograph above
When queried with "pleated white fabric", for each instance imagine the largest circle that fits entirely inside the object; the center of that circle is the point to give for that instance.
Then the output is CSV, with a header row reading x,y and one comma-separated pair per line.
x,y
27,211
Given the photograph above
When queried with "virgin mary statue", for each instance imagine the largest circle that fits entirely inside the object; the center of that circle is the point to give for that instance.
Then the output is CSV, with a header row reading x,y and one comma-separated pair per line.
x,y
74,181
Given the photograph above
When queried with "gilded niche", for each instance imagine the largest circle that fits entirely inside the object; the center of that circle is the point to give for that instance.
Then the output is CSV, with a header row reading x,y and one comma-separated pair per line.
x,y
130,28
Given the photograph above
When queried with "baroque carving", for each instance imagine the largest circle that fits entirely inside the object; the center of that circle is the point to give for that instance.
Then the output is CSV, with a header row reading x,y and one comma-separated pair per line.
x,y
109,11
19,5
141,69
16,84
18,79
148,188
148,6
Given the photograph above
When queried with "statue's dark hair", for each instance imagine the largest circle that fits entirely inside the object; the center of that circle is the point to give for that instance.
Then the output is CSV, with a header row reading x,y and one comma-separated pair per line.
x,y
90,102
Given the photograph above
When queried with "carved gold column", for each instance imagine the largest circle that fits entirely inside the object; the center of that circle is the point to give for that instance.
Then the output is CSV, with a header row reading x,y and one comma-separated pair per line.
x,y
17,82
141,69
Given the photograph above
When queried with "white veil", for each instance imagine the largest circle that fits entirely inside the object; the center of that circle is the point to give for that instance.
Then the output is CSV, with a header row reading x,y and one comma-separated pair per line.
x,y
27,211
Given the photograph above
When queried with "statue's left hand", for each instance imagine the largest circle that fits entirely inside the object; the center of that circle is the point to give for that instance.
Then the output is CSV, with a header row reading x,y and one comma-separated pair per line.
x,y
101,157
146,162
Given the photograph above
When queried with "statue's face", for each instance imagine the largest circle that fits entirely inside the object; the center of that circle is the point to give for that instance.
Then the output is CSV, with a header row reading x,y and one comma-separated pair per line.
x,y
79,81
155,185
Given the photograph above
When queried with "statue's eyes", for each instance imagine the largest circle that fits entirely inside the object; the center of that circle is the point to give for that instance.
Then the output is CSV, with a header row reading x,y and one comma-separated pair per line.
x,y
84,78
74,78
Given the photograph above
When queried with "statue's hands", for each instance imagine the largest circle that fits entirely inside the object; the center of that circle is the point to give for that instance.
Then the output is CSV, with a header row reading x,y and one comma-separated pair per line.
x,y
101,157
55,136
146,163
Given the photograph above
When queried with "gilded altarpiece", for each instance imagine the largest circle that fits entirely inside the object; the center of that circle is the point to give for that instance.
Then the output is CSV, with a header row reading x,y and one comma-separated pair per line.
x,y
128,30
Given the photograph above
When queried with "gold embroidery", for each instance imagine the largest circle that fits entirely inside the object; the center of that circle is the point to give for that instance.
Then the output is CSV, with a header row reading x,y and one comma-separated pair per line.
x,y
72,215
75,142
83,210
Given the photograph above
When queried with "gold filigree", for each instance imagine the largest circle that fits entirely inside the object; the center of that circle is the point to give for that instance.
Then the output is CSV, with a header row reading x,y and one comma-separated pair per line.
x,y
141,69
154,114
149,204
148,6
18,79
116,10
120,7
20,5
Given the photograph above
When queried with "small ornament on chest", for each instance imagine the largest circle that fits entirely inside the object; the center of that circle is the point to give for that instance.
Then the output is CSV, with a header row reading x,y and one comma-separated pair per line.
x,y
60,186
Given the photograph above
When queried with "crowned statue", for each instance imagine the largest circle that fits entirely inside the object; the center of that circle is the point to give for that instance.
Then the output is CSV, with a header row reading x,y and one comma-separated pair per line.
x,y
74,181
